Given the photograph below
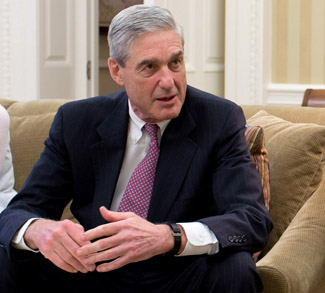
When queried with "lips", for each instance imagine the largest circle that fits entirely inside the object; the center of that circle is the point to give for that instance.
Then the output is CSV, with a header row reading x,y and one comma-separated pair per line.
x,y
166,99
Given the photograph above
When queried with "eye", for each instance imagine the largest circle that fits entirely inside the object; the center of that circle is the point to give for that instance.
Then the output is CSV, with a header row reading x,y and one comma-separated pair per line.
x,y
176,64
149,68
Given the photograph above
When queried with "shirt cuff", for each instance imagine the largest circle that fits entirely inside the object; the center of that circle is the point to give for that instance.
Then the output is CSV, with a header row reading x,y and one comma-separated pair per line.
x,y
200,239
18,240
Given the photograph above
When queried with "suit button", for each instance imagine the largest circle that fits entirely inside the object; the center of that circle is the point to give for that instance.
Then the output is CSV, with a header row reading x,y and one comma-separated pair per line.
x,y
244,238
231,239
236,239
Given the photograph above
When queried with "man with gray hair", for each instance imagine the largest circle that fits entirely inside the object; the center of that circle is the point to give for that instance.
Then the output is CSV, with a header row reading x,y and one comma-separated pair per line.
x,y
160,178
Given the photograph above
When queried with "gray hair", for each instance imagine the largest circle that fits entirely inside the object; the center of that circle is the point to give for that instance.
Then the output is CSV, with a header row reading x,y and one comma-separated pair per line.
x,y
135,21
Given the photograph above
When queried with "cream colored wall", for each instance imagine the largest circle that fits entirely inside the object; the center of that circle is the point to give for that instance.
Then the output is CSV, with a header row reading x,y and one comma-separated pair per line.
x,y
298,41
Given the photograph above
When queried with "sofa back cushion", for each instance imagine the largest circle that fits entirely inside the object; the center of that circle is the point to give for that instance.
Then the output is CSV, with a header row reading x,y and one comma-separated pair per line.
x,y
28,134
259,155
296,158
30,122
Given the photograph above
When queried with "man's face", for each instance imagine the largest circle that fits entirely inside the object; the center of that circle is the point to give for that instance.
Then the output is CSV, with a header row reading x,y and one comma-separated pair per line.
x,y
154,76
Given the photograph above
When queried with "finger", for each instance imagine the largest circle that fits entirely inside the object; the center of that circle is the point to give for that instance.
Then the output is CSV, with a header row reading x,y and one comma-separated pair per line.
x,y
105,255
113,265
97,246
61,257
66,246
77,235
73,258
59,262
99,232
111,216
70,261
107,229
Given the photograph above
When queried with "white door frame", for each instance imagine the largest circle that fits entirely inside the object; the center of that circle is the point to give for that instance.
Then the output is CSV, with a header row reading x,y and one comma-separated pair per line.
x,y
87,41
21,48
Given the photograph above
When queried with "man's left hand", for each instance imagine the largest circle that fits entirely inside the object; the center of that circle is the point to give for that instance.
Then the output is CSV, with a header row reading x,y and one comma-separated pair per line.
x,y
126,238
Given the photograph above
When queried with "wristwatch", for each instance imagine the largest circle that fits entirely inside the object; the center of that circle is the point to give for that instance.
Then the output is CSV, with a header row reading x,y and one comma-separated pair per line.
x,y
176,231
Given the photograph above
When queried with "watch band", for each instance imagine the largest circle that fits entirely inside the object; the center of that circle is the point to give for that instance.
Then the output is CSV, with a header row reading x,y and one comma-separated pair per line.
x,y
176,231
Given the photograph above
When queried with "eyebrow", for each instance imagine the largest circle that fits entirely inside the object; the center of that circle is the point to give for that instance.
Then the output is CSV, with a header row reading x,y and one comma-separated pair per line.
x,y
155,60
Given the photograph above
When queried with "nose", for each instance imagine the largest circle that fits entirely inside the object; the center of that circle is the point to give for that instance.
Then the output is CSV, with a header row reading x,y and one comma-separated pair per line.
x,y
166,80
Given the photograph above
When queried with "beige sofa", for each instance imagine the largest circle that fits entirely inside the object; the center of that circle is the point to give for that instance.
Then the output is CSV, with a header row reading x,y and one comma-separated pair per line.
x,y
294,258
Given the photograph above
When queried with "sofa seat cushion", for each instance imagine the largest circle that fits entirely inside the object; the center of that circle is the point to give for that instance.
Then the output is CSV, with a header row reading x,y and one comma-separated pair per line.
x,y
296,158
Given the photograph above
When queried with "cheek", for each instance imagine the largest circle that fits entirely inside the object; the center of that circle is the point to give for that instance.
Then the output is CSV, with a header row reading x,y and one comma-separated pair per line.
x,y
141,87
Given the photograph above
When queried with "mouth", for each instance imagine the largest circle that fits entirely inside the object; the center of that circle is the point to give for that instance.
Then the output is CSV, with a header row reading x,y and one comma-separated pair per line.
x,y
167,98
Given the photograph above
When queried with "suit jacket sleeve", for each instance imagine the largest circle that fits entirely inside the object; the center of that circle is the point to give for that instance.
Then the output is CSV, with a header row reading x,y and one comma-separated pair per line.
x,y
242,222
80,162
46,191
205,174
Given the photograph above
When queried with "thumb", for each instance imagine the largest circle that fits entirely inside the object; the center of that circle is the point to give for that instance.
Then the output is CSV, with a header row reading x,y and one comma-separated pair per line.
x,y
111,216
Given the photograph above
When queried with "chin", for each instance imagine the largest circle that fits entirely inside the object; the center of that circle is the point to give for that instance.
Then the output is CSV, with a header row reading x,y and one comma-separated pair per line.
x,y
169,116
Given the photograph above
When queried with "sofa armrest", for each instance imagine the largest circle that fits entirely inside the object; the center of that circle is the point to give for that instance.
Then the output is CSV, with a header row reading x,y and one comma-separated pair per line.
x,y
296,263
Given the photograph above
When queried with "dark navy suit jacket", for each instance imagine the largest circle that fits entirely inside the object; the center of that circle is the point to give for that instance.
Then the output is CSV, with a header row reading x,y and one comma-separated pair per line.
x,y
204,172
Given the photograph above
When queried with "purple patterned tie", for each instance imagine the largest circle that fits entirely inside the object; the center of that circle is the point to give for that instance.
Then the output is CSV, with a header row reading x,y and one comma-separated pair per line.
x,y
137,195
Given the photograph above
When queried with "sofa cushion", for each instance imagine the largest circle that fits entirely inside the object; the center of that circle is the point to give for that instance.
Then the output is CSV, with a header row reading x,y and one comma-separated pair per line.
x,y
27,135
259,155
255,139
34,107
296,158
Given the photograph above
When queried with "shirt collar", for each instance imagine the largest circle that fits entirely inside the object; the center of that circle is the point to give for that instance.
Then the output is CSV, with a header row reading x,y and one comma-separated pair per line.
x,y
136,124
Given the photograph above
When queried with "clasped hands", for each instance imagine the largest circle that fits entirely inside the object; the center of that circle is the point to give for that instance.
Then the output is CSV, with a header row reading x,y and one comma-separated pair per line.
x,y
124,239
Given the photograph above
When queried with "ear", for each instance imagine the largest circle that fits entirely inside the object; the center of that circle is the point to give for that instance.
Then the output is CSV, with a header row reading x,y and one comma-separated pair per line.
x,y
116,71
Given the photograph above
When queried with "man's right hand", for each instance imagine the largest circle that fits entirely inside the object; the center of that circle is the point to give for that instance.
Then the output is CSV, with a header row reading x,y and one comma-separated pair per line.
x,y
58,241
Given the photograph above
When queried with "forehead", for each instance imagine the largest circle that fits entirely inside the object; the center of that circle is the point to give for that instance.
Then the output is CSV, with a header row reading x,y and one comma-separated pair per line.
x,y
156,44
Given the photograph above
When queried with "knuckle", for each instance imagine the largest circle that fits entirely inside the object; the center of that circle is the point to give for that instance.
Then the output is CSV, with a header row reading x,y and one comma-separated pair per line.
x,y
47,251
132,254
101,244
107,254
48,243
102,229
65,224
57,233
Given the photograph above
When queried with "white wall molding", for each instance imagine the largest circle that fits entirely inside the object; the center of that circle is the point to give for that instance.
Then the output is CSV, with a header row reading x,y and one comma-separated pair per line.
x,y
248,26
254,41
288,94
24,82
5,49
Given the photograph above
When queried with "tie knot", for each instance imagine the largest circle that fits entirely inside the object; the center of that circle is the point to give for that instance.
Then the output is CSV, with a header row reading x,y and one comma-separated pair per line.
x,y
152,130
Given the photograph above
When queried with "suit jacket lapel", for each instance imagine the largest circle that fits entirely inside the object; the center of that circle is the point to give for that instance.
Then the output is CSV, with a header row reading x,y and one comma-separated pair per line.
x,y
107,155
177,149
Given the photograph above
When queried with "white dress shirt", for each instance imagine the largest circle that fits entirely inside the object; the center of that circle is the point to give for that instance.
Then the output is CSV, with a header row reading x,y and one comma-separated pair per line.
x,y
200,238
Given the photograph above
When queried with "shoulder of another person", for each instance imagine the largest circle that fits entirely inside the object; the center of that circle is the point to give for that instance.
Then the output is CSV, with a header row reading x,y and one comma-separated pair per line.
x,y
4,117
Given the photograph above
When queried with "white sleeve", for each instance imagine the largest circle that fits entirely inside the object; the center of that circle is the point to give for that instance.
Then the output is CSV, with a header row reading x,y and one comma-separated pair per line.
x,y
200,239
18,240
4,133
